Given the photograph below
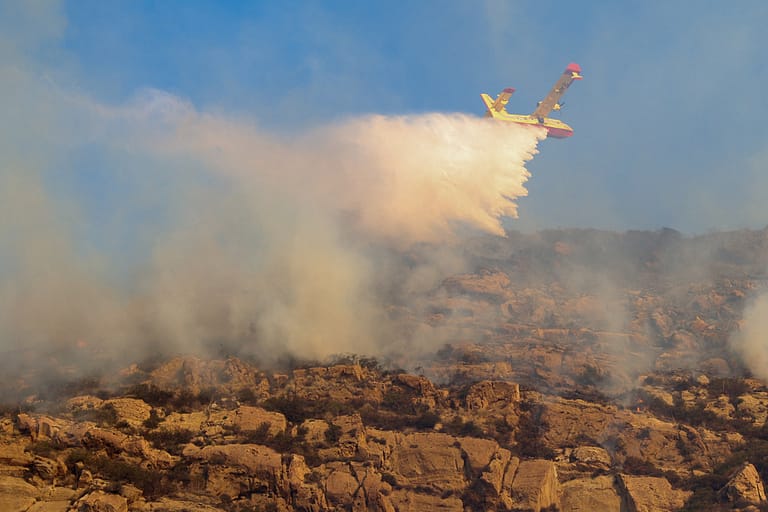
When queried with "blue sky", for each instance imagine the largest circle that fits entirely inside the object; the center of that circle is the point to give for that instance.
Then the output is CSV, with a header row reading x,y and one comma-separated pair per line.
x,y
669,119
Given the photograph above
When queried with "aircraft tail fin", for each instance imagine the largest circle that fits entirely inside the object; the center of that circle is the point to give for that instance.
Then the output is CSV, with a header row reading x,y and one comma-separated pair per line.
x,y
497,106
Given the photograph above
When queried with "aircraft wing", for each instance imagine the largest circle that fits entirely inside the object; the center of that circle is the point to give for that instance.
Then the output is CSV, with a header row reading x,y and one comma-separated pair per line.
x,y
572,72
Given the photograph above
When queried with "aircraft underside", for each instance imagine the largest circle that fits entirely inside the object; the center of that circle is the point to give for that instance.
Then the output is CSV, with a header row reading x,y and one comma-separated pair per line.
x,y
555,128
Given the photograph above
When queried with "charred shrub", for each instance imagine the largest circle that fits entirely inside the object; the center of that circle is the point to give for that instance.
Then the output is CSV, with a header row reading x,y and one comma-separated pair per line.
x,y
153,421
733,387
297,409
530,431
153,483
104,416
458,427
171,441
151,394
43,448
398,400
333,434
246,396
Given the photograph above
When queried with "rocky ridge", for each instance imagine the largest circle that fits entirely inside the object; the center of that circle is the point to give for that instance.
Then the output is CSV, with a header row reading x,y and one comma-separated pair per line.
x,y
596,375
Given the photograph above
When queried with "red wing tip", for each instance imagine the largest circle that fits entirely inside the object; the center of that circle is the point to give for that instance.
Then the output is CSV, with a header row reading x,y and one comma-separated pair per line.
x,y
573,67
509,90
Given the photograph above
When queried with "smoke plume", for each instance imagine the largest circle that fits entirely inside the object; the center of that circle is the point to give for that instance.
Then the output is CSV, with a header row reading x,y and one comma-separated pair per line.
x,y
751,341
214,232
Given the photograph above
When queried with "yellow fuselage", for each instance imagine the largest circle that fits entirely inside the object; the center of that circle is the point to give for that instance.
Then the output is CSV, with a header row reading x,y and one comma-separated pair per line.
x,y
555,127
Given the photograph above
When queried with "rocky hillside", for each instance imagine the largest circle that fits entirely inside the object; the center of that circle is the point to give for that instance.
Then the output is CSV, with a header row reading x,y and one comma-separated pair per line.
x,y
575,370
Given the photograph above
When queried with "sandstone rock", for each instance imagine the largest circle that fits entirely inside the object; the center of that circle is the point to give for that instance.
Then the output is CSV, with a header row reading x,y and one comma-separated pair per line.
x,y
571,422
251,419
484,395
341,486
660,394
99,501
535,486
310,498
255,460
721,407
50,506
745,486
428,459
650,494
479,452
591,455
130,410
590,495
14,455
352,438
84,402
371,483
46,468
411,501
650,439
116,441
493,476
184,421
177,505
16,495
755,406
314,430
58,494
39,427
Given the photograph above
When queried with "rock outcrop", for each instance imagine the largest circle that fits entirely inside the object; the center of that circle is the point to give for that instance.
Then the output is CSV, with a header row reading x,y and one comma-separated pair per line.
x,y
745,486
650,494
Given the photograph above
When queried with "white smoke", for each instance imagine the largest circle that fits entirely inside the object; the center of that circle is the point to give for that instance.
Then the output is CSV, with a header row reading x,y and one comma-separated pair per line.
x,y
751,341
263,242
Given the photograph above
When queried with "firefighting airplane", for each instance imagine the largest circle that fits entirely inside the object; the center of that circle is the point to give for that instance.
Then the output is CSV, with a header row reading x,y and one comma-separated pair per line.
x,y
555,127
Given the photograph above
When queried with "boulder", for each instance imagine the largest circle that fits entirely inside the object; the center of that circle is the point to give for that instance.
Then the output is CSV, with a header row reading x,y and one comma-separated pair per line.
x,y
254,459
493,476
314,430
192,421
535,486
478,452
484,395
754,406
16,495
351,439
50,506
592,456
745,486
46,468
99,501
590,494
341,486
721,407
130,410
428,459
251,419
84,403
14,455
177,505
405,500
650,494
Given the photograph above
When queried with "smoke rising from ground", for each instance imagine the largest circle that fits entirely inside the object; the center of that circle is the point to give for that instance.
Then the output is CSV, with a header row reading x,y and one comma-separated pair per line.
x,y
226,235
751,342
